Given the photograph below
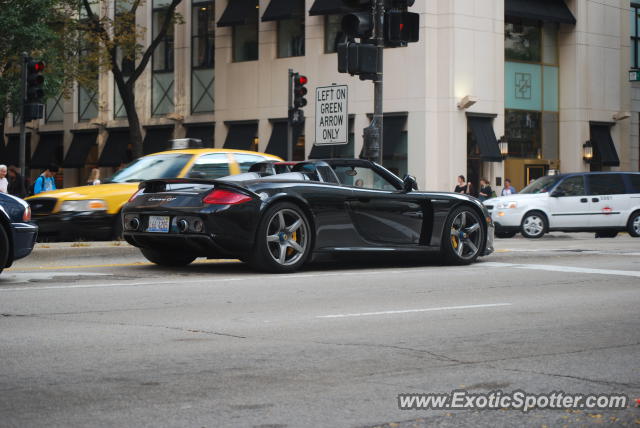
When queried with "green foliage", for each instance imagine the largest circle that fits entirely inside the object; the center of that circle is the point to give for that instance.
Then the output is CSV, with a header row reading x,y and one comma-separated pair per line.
x,y
37,27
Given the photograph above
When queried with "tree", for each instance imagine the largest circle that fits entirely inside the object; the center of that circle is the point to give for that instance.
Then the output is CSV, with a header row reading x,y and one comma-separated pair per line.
x,y
116,46
37,27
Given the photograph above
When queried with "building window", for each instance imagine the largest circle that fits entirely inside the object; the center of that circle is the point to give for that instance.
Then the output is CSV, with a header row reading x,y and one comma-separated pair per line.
x,y
291,33
634,30
163,77
522,42
332,33
245,38
54,111
524,133
88,86
202,57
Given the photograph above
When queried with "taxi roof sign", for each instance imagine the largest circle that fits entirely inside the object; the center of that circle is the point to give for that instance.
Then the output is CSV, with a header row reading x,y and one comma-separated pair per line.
x,y
186,143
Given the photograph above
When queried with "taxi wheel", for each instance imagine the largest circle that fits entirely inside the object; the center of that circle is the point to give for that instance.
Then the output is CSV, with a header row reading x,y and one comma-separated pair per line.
x,y
4,248
163,258
283,239
463,236
633,225
534,225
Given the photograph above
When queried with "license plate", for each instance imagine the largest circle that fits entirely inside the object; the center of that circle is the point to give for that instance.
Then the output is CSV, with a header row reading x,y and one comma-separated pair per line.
x,y
158,224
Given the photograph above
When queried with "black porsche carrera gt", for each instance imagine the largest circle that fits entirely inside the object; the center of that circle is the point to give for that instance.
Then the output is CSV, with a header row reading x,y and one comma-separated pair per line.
x,y
276,218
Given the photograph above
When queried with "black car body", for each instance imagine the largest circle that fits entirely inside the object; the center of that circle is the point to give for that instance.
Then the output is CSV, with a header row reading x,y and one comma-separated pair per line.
x,y
275,222
17,234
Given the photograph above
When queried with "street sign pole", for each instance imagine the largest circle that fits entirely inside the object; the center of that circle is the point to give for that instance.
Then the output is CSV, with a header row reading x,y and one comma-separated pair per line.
x,y
373,141
290,117
23,131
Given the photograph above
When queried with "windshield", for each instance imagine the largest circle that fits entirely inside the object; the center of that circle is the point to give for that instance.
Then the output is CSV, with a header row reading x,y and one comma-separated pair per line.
x,y
542,184
152,167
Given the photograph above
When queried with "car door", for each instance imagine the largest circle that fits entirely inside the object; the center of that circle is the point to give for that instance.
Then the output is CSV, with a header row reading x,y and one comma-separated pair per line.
x,y
569,204
608,199
380,212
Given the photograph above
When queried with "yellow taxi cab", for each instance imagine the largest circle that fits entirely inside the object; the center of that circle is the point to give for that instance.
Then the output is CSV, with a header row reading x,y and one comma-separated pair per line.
x,y
93,212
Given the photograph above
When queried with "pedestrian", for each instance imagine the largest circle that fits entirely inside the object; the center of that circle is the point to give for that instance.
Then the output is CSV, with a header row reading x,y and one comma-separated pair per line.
x,y
485,190
463,186
94,178
46,181
4,183
17,185
508,188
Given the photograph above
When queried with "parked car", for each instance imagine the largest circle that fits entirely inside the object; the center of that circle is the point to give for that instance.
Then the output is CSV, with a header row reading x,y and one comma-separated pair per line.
x,y
602,202
93,212
17,234
275,222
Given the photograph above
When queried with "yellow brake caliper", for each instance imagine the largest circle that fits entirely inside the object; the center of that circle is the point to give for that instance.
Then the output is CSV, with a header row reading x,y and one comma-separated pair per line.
x,y
294,237
454,240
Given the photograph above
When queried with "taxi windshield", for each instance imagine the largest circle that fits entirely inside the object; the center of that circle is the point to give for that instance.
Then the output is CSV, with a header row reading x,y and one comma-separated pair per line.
x,y
541,185
152,167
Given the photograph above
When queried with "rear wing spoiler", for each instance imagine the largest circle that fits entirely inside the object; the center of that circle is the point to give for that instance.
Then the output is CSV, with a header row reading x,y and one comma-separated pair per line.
x,y
160,185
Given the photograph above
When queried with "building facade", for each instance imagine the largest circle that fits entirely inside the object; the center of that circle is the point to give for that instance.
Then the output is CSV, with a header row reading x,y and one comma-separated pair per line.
x,y
548,75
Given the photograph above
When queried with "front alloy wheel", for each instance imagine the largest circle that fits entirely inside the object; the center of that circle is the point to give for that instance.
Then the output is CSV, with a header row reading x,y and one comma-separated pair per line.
x,y
534,225
465,236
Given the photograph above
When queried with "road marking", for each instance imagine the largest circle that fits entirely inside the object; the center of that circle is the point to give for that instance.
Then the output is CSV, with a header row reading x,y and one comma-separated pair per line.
x,y
564,269
412,311
197,262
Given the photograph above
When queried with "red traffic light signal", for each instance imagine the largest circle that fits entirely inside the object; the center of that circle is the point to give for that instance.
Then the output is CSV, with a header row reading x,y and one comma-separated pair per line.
x,y
37,66
35,81
302,80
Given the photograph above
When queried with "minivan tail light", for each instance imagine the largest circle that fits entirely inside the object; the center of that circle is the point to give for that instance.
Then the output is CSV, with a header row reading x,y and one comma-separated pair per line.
x,y
226,197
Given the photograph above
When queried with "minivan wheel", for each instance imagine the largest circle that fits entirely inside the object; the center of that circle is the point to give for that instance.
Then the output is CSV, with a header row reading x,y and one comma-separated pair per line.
x,y
633,225
534,225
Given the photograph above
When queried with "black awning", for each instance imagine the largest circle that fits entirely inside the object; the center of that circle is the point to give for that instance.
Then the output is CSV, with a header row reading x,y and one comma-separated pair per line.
x,y
237,12
114,152
603,143
241,135
12,151
49,150
540,10
277,145
328,7
283,9
80,147
202,132
157,139
485,137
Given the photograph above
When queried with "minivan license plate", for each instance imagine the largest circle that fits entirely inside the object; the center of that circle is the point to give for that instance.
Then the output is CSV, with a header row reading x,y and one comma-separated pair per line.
x,y
158,224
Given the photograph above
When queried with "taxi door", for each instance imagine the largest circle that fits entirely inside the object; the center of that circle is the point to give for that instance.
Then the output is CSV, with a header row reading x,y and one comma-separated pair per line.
x,y
609,202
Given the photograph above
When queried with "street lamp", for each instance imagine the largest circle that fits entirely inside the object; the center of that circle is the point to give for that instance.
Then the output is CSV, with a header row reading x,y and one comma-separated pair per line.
x,y
503,144
587,151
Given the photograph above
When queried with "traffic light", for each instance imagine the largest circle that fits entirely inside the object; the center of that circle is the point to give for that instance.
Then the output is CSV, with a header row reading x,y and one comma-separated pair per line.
x,y
34,107
358,59
299,90
35,81
401,28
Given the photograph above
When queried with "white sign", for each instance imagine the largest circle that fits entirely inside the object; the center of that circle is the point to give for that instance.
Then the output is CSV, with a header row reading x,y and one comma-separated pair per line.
x,y
332,119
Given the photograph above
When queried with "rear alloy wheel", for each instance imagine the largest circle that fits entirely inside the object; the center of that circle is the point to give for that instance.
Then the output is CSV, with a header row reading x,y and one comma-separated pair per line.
x,y
633,225
463,236
163,258
4,248
283,241
534,225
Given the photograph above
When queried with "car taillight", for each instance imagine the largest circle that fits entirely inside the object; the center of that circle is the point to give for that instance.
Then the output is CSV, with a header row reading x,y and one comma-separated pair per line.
x,y
135,195
225,197
26,216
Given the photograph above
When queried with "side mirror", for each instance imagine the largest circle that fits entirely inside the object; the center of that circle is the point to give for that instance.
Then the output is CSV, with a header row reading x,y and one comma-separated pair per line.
x,y
409,183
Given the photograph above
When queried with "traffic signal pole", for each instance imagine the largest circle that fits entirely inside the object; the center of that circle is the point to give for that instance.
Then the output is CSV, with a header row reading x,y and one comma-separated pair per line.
x,y
379,82
290,117
23,131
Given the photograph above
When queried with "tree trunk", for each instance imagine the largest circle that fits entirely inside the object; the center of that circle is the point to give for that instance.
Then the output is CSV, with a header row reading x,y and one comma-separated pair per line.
x,y
127,93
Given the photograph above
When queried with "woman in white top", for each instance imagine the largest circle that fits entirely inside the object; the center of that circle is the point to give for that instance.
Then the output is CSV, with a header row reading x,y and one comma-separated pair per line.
x,y
4,183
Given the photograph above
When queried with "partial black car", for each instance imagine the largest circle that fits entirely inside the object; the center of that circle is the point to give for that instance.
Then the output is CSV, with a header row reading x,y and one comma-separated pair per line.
x,y
276,222
17,233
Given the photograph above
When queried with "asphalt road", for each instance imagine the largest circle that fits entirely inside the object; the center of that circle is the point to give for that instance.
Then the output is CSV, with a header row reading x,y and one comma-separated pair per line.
x,y
92,335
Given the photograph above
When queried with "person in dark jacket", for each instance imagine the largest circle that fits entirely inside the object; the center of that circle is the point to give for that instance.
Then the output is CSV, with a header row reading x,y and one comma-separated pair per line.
x,y
17,185
485,190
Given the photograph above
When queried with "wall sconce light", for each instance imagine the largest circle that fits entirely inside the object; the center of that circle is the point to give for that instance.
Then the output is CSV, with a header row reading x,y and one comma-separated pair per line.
x,y
503,144
587,151
621,115
467,102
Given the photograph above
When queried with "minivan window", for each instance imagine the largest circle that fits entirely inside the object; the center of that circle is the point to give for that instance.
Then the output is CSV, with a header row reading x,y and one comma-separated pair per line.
x,y
606,184
541,185
635,183
572,186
